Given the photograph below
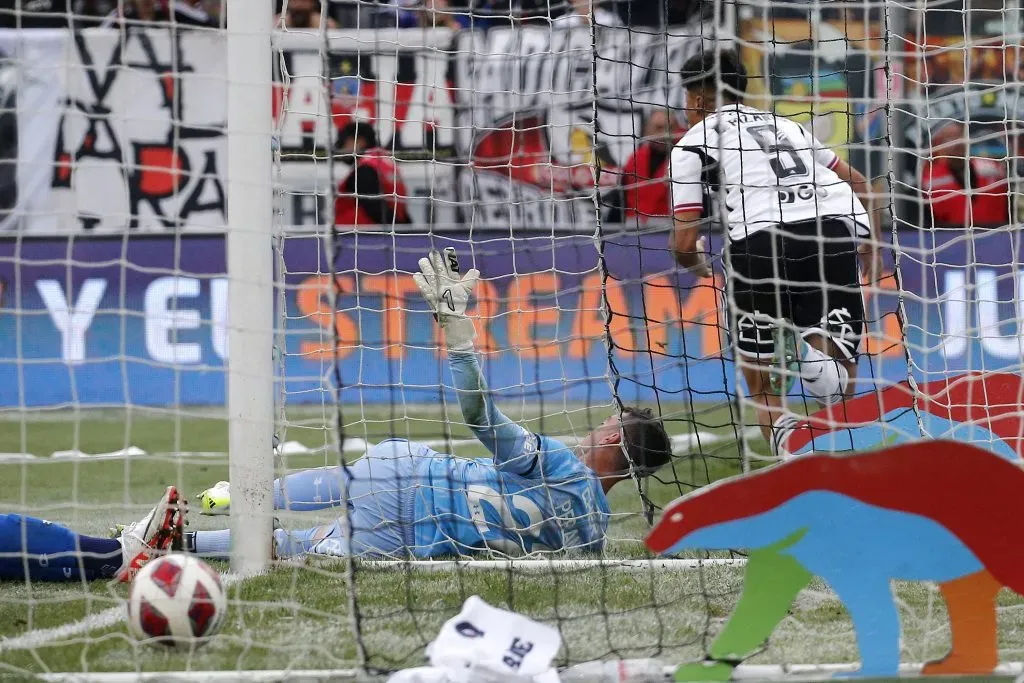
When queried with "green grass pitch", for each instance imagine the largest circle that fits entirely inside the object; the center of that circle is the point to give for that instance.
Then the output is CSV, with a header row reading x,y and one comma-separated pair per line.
x,y
296,617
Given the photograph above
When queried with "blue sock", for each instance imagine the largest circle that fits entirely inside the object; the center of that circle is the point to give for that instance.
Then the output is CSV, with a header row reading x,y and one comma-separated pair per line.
x,y
102,557
309,490
213,544
43,551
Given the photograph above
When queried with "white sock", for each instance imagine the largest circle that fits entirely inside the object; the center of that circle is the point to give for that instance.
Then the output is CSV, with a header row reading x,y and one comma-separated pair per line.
x,y
781,430
824,377
214,544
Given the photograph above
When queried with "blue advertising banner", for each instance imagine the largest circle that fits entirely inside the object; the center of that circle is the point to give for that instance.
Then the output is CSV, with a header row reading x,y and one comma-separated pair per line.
x,y
142,319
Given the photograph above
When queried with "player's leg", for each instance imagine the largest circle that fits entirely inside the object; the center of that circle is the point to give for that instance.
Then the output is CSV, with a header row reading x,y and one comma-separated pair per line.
x,y
827,372
773,419
39,550
216,544
760,301
379,491
309,490
830,312
305,491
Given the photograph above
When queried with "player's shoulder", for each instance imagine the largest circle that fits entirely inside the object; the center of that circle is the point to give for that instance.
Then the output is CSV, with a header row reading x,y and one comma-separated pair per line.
x,y
696,136
558,458
550,445
793,128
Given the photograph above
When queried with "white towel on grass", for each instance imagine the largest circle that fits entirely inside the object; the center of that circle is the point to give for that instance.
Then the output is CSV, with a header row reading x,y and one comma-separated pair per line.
x,y
484,644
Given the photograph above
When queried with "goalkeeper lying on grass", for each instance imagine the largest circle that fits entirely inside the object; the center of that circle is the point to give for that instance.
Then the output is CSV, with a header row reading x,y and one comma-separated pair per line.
x,y
407,500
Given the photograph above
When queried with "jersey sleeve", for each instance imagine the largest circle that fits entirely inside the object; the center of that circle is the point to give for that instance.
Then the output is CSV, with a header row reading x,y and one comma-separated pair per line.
x,y
559,462
691,159
514,448
822,154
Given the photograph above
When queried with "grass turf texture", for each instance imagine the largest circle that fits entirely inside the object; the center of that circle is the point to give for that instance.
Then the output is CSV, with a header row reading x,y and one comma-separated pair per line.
x,y
296,616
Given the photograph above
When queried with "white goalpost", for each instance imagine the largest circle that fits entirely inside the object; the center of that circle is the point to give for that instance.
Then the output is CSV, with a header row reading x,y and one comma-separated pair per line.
x,y
250,269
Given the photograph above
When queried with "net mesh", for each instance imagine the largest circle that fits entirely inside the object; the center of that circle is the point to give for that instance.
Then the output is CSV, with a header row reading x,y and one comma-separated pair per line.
x,y
533,140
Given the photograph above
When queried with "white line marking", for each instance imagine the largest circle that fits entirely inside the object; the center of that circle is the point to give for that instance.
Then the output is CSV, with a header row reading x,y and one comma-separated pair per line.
x,y
92,622
35,638
682,444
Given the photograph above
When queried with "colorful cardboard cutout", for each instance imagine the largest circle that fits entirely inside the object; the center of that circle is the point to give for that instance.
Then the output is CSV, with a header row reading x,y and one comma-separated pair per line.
x,y
979,408
859,521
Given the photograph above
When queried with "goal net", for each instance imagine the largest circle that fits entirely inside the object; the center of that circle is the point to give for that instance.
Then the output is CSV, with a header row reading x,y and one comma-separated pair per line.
x,y
533,139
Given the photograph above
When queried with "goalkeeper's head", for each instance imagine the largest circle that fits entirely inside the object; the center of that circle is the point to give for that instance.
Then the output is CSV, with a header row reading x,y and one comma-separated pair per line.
x,y
711,75
633,443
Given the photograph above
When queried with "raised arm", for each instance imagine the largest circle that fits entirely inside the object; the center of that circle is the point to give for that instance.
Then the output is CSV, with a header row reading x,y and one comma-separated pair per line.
x,y
448,291
514,448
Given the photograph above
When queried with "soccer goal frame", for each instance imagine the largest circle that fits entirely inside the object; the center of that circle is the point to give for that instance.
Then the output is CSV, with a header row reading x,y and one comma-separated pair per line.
x,y
250,269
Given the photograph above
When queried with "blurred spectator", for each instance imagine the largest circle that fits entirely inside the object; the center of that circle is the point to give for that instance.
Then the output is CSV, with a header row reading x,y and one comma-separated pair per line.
x,y
659,13
51,13
579,14
427,14
645,185
214,8
441,13
302,14
34,13
187,13
373,192
961,190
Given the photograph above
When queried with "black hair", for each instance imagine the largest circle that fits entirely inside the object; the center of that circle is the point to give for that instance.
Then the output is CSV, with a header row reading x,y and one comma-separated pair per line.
x,y
358,129
706,69
645,440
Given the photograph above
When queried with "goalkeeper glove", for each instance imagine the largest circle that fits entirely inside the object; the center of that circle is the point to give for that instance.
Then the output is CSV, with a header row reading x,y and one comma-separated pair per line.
x,y
447,292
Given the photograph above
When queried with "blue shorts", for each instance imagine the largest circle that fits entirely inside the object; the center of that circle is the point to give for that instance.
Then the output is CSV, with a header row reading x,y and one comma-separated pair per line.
x,y
380,485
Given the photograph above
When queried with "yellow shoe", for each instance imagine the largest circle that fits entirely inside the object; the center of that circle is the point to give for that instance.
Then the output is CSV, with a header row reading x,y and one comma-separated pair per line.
x,y
216,500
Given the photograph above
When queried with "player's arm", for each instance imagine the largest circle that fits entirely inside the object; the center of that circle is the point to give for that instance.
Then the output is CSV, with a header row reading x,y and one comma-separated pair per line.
x,y
862,188
688,247
688,170
448,291
870,250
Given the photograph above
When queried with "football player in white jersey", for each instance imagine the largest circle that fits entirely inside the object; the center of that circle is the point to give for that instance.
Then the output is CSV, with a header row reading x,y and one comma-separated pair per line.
x,y
797,228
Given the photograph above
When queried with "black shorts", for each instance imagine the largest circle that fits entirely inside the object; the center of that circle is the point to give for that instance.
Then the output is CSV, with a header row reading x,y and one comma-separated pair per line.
x,y
806,273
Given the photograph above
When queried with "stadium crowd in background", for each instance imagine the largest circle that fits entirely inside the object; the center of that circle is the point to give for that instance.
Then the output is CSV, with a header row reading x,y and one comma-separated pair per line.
x,y
565,13
373,192
962,189
581,13
109,13
205,13
646,188
306,14
303,14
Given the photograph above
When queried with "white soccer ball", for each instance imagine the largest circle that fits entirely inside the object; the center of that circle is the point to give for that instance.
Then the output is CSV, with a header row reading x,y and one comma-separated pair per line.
x,y
176,601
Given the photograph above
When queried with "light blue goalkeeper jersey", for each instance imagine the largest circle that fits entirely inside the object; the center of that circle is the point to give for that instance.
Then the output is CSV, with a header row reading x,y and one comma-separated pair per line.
x,y
533,495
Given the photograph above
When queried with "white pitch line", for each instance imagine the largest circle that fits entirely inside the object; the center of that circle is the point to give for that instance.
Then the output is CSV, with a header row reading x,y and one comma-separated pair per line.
x,y
682,444
92,622
33,639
